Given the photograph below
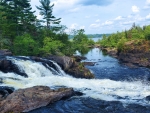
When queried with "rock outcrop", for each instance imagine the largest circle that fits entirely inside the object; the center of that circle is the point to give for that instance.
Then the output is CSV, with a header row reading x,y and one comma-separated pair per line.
x,y
24,100
70,66
135,53
64,61
8,66
5,52
79,58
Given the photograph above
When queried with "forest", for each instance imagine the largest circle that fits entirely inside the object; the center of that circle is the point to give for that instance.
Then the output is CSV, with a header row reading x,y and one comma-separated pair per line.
x,y
24,34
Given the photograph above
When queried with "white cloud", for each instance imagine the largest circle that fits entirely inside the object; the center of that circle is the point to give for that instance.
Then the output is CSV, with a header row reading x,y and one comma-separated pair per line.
x,y
107,23
74,26
148,17
98,20
148,2
135,9
147,6
94,25
64,5
119,18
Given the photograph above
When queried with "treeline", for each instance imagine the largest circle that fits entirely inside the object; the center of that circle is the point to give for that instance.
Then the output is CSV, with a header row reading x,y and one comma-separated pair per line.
x,y
24,34
118,40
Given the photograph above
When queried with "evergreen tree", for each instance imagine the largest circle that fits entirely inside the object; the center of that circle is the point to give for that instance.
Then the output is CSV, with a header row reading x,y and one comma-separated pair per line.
x,y
46,11
18,15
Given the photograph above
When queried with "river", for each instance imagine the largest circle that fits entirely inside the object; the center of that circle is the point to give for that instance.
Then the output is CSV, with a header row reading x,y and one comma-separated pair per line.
x,y
116,88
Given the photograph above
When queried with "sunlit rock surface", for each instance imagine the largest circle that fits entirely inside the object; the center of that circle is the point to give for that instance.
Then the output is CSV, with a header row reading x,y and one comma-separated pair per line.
x,y
24,100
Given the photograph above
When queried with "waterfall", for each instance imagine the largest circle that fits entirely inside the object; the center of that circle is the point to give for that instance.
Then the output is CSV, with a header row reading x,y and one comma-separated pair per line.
x,y
104,89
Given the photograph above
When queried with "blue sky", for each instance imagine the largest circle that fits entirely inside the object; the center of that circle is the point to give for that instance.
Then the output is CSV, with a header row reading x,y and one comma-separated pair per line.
x,y
100,16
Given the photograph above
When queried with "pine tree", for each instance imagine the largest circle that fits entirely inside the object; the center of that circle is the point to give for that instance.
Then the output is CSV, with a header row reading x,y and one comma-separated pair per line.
x,y
18,14
46,11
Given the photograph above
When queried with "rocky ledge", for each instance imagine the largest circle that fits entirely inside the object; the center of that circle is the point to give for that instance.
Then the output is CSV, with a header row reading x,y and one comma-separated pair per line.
x,y
72,67
24,100
5,52
135,53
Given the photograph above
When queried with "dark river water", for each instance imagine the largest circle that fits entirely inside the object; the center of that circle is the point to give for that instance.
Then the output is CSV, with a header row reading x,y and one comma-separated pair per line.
x,y
116,89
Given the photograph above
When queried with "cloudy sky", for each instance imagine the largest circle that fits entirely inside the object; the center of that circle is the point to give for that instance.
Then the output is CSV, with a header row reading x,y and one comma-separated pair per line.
x,y
100,16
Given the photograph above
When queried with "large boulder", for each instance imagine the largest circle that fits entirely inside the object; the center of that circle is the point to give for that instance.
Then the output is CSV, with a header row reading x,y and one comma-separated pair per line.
x,y
64,61
8,66
79,58
24,100
5,52
80,72
70,66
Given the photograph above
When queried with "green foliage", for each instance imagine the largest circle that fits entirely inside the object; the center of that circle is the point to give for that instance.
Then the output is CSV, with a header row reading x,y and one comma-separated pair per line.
x,y
4,42
121,44
25,45
81,41
51,46
118,40
147,32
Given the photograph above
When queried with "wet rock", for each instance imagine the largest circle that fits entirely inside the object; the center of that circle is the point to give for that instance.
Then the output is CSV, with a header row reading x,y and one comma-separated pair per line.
x,y
70,66
64,61
80,72
110,51
79,58
5,52
24,100
130,65
7,66
147,98
46,62
5,91
89,63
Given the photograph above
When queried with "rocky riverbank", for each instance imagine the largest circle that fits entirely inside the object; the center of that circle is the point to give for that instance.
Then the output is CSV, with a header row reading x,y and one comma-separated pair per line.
x,y
24,100
135,53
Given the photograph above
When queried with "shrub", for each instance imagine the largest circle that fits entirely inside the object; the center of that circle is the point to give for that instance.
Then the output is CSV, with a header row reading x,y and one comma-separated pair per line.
x,y
51,46
121,44
25,45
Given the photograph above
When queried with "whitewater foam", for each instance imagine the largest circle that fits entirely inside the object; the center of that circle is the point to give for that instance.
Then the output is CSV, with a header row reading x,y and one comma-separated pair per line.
x,y
104,89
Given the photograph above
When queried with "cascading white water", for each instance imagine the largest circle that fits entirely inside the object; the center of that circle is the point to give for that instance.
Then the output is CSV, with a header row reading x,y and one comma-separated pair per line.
x,y
104,89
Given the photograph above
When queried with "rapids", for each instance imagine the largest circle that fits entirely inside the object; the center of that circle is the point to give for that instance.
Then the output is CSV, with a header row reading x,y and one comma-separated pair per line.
x,y
103,87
